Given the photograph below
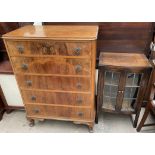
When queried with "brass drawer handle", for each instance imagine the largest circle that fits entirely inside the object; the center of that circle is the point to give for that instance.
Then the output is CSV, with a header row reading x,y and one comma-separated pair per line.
x,y
79,100
36,111
47,50
20,49
77,51
80,114
44,50
29,82
33,98
79,85
24,66
78,68
52,51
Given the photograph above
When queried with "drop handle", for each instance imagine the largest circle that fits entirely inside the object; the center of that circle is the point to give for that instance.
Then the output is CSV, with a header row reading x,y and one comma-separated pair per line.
x,y
77,51
24,66
36,111
20,49
78,68
33,98
79,100
80,114
29,82
79,85
44,50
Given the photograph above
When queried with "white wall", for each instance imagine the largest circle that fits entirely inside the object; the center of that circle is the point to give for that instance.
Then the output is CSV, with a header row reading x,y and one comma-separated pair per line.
x,y
10,89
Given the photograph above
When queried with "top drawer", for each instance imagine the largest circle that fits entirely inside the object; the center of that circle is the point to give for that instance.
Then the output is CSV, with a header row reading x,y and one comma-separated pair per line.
x,y
48,47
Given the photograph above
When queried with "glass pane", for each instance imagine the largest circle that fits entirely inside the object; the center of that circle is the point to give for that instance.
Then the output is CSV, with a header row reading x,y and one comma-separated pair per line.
x,y
108,76
137,79
128,104
130,92
110,90
111,78
109,103
133,79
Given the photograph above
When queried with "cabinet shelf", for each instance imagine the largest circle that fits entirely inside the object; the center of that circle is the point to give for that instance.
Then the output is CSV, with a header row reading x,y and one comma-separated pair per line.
x,y
109,104
126,108
112,97
130,86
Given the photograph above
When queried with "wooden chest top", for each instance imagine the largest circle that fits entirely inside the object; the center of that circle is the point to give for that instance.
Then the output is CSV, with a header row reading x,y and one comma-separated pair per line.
x,y
55,32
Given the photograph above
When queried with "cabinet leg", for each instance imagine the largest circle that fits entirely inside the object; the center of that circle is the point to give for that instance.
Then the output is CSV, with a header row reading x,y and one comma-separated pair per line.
x,y
96,106
90,126
31,122
96,118
146,113
8,111
136,118
1,114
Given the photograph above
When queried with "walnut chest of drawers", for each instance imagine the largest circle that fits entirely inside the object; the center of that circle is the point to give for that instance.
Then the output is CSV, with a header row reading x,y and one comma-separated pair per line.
x,y
55,71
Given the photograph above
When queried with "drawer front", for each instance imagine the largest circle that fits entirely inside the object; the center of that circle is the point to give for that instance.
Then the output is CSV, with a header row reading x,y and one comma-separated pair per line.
x,y
52,66
59,98
45,111
55,82
37,47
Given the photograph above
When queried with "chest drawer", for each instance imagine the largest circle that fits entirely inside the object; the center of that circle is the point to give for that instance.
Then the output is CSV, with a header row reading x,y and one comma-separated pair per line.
x,y
46,111
54,82
52,65
59,98
45,47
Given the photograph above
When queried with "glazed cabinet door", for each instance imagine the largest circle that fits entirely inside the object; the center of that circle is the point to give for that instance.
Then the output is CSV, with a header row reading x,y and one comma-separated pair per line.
x,y
120,91
111,85
131,91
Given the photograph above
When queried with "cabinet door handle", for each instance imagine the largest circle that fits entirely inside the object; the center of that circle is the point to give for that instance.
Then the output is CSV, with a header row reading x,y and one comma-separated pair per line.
x,y
24,66
77,51
20,49
78,68
120,91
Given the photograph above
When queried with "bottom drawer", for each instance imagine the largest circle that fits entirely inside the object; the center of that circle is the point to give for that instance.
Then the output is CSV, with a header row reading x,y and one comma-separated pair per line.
x,y
59,112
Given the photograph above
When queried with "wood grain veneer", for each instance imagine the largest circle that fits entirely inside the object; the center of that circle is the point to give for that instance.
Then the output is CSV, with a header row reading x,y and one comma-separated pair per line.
x,y
55,70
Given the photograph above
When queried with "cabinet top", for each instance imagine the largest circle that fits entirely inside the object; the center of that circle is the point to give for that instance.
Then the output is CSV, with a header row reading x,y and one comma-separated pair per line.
x,y
124,60
55,32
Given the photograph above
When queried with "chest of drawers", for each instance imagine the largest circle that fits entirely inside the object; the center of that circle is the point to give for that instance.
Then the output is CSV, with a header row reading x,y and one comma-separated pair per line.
x,y
55,71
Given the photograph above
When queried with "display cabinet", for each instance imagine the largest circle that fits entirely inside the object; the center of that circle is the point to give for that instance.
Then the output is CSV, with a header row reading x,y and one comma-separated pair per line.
x,y
122,83
130,91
